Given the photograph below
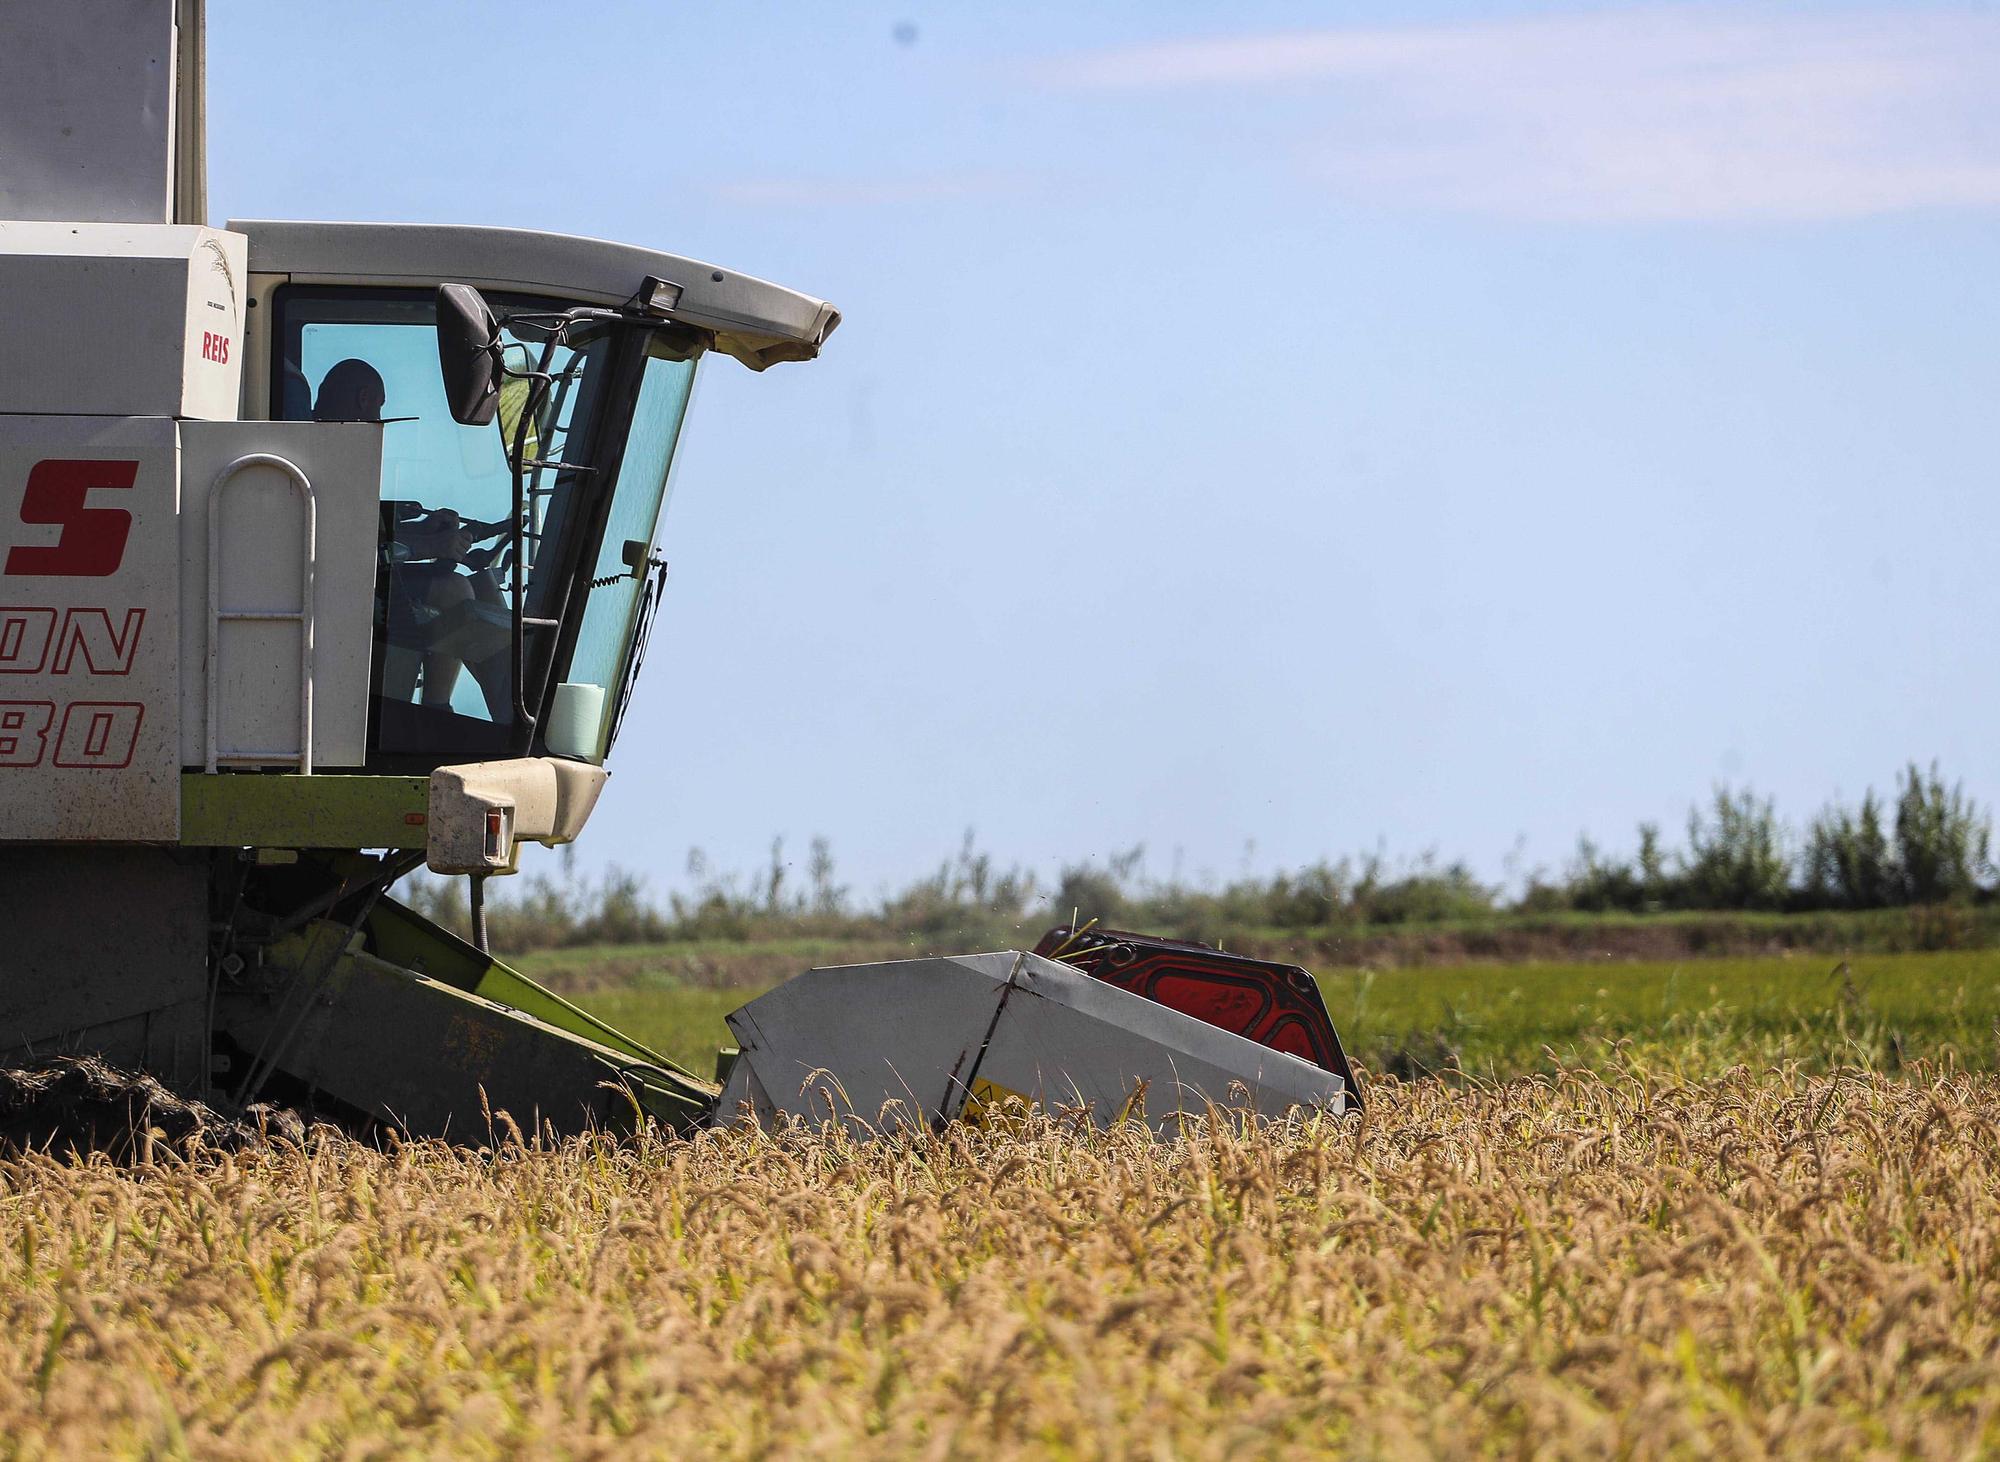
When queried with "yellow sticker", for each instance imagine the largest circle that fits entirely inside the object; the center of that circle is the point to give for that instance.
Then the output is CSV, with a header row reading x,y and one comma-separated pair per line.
x,y
989,1099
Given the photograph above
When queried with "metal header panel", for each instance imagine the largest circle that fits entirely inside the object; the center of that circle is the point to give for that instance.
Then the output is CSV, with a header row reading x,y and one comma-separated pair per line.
x,y
87,124
908,1042
756,322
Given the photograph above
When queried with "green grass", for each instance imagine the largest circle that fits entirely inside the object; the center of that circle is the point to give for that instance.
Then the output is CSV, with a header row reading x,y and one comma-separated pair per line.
x,y
711,963
684,1025
1879,1010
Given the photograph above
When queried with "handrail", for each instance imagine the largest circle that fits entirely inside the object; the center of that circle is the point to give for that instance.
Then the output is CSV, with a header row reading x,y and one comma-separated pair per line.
x,y
217,615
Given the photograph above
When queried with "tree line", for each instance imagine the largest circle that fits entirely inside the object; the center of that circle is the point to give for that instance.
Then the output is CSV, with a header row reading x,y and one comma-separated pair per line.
x,y
1927,843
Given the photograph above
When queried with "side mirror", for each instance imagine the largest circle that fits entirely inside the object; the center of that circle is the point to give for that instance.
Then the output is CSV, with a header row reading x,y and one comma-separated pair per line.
x,y
468,354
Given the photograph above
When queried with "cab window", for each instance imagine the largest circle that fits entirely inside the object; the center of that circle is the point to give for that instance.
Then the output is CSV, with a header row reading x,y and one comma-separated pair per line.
x,y
447,563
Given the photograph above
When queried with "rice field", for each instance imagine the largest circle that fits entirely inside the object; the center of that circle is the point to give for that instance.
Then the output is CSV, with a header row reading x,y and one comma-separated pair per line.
x,y
1641,1259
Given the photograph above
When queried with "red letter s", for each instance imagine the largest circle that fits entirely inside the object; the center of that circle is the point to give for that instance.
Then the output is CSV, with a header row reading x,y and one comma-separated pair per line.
x,y
92,544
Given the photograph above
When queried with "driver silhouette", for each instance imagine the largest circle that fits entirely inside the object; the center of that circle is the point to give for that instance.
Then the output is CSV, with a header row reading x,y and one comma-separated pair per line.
x,y
433,608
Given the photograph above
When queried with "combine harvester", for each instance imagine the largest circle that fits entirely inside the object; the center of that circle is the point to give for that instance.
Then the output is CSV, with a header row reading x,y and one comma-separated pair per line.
x,y
326,553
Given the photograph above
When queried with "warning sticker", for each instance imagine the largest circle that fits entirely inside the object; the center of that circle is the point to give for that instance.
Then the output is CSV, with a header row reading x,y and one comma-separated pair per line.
x,y
989,1099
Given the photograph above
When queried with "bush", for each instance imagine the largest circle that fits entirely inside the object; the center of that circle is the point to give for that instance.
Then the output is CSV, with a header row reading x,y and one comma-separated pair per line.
x,y
622,914
1084,893
1848,863
1943,840
1736,857
1601,885
1312,898
1425,894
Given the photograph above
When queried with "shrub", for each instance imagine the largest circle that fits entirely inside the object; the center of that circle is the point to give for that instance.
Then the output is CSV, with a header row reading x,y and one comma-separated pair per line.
x,y
1083,892
1736,857
1848,863
1598,885
1425,894
1943,840
1312,898
622,915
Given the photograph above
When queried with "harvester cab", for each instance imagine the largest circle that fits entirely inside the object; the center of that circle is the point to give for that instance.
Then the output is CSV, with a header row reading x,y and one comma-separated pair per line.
x,y
326,553
525,453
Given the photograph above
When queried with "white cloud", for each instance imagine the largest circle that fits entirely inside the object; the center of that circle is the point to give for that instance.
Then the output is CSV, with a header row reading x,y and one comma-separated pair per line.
x,y
1653,114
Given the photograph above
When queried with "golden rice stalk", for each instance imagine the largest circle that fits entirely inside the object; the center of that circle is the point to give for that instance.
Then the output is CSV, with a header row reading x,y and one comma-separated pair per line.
x,y
1632,1263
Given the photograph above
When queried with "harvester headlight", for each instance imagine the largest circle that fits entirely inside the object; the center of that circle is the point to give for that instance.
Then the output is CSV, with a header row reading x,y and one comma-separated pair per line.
x,y
659,296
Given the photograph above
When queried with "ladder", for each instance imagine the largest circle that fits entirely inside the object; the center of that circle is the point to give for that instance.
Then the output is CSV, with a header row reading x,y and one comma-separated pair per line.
x,y
220,614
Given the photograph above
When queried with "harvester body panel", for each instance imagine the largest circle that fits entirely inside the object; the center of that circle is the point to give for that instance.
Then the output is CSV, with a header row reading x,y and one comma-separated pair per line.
x,y
89,110
105,950
116,640
123,319
275,498
90,671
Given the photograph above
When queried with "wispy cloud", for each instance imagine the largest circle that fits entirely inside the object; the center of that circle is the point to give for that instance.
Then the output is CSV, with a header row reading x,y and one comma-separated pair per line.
x,y
1652,114
865,192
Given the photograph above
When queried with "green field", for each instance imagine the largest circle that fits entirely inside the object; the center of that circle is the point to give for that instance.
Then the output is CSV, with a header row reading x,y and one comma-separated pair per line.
x,y
1877,1011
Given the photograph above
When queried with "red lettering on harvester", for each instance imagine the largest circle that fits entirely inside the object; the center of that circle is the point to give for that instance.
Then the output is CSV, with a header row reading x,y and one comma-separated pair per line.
x,y
24,639
105,651
24,728
99,735
92,544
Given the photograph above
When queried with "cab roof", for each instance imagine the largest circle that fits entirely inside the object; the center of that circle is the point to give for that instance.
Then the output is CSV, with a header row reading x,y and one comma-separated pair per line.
x,y
748,319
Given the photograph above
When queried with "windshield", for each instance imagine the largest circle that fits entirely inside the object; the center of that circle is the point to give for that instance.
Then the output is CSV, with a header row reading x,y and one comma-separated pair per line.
x,y
621,590
444,669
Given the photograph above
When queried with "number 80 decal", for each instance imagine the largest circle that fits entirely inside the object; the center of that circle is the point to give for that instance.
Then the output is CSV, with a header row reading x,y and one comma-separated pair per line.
x,y
94,735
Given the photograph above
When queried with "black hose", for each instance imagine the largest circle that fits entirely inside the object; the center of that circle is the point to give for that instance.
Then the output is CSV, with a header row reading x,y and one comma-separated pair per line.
x,y
478,901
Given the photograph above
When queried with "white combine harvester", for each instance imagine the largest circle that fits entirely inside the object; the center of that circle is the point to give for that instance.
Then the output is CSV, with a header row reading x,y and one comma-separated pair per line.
x,y
326,551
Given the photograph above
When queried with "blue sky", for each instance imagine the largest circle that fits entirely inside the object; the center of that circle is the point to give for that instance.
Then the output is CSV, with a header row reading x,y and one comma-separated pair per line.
x,y
1259,432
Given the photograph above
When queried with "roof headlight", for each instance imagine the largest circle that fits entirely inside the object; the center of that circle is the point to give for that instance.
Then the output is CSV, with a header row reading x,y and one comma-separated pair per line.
x,y
659,296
